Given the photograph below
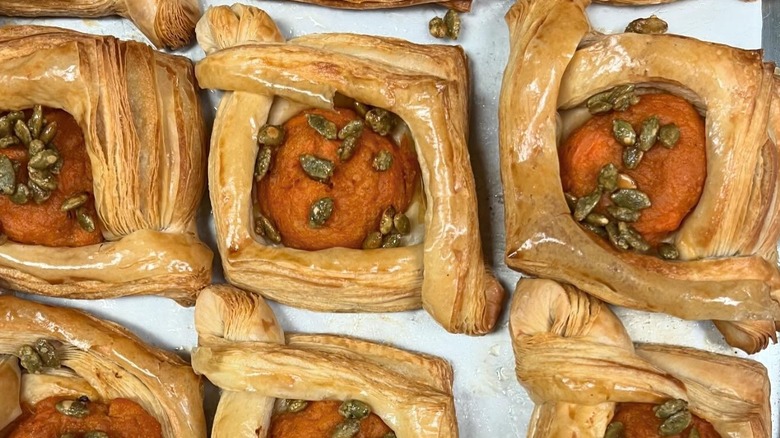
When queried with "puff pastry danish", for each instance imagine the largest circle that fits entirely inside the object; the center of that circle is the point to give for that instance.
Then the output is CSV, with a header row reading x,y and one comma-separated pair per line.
x,y
167,23
426,87
726,243
137,115
243,350
73,365
582,371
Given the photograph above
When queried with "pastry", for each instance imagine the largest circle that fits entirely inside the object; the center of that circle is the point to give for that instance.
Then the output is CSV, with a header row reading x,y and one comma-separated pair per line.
x,y
65,372
587,379
102,167
458,5
319,386
167,23
669,173
330,190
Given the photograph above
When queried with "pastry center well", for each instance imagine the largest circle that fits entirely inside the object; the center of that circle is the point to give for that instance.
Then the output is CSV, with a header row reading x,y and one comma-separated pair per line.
x,y
645,420
327,419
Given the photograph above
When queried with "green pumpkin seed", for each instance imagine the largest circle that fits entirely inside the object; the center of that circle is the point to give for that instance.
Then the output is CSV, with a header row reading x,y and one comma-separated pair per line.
x,y
347,148
437,28
259,230
649,134
694,433
354,409
36,121
43,159
676,423
668,135
600,231
36,146
96,434
263,162
8,141
21,195
402,224
623,132
318,169
47,353
23,132
269,229
271,135
453,24
72,408
383,161
632,237
86,222
623,214
585,205
624,101
669,408
5,126
632,157
295,406
571,201
615,237
48,133
347,429
620,90
615,430
380,121
373,240
608,178
361,108
320,212
650,25
631,198
39,194
390,435
667,251
14,116
352,129
596,219
43,178
386,222
7,176
392,240
625,182
323,126
74,201
29,359
599,107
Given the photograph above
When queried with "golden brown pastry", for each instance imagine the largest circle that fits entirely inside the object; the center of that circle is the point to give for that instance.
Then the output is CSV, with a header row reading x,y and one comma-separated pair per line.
x,y
582,371
114,215
268,377
713,258
64,371
267,82
167,23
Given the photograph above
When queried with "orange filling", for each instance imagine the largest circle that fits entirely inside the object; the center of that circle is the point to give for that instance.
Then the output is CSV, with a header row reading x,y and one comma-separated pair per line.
x,y
360,193
319,419
639,421
120,418
46,224
672,178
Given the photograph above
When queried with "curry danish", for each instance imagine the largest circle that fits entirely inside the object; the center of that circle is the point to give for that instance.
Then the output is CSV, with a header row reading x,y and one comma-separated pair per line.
x,y
66,373
632,175
339,172
319,386
588,379
102,167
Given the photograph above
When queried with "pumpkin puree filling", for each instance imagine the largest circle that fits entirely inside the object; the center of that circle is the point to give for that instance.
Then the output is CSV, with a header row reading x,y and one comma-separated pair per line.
x,y
639,420
42,219
321,419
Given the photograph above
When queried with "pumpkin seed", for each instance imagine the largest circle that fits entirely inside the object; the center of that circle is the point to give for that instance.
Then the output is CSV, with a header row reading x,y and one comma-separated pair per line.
x,y
96,434
259,230
13,116
47,353
320,212
346,429
296,405
615,237
615,430
623,132
361,108
72,408
39,194
318,169
623,214
625,182
608,178
386,222
620,90
624,101
383,161
676,423
453,24
7,176
650,25
43,178
352,129
5,126
631,157
8,141
392,240
29,359
401,223
269,229
600,231
36,121
23,132
86,222
668,135
271,135
392,435
631,198
373,240
43,159
437,28
632,237
56,167
380,121
354,409
347,148
21,195
649,134
36,146
74,201
669,408
323,126
263,162
667,251
48,133
694,433
596,219
571,201
599,107
586,204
